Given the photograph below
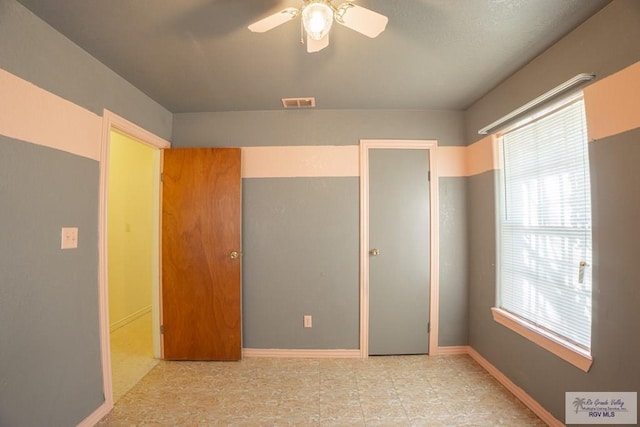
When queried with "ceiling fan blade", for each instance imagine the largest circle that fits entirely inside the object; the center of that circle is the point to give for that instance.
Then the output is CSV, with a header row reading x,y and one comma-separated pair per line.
x,y
317,45
361,19
274,20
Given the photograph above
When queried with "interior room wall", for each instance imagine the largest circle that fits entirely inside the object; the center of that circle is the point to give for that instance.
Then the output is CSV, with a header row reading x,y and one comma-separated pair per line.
x,y
604,44
53,94
301,233
50,370
130,226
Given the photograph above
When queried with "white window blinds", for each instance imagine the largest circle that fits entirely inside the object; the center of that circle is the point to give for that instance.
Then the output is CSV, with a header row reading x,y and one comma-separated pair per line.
x,y
545,226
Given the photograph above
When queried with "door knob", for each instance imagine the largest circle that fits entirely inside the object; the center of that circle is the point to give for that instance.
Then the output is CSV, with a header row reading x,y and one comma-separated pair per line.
x,y
374,252
234,255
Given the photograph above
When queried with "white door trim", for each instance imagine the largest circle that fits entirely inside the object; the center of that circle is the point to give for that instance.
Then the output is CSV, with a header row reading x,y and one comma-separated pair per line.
x,y
111,121
432,146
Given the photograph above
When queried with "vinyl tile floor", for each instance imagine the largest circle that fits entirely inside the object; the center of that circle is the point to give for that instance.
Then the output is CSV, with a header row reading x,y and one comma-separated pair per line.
x,y
378,391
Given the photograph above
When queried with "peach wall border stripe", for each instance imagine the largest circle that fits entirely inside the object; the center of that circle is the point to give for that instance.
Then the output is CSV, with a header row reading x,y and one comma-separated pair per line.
x,y
31,114
613,104
297,161
482,156
452,161
343,161
475,159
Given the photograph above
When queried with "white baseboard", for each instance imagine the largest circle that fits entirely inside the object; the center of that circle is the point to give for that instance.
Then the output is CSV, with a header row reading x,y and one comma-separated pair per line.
x,y
529,401
452,350
301,354
336,354
95,416
130,318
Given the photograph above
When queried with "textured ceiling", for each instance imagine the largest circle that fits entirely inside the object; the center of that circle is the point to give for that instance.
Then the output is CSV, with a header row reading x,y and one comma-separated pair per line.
x,y
198,55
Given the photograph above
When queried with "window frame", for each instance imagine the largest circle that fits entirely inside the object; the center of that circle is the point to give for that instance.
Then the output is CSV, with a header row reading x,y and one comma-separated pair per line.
x,y
550,341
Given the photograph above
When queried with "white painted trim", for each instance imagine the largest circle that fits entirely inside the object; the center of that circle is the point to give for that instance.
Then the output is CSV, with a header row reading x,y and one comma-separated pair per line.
x,y
432,146
364,251
434,298
130,318
115,122
453,350
522,395
111,121
158,343
301,353
105,344
94,417
156,261
563,349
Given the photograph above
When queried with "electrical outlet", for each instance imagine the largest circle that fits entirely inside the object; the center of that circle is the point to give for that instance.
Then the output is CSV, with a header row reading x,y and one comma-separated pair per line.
x,y
308,321
69,238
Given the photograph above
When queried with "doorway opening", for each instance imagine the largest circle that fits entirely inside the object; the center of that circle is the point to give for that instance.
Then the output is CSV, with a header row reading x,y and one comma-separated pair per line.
x,y
129,254
132,230
429,325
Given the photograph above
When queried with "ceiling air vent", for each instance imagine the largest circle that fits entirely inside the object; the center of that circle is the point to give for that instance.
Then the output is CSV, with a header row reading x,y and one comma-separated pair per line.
x,y
298,102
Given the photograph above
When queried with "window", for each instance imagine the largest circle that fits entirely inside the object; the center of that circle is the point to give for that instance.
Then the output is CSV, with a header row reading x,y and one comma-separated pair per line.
x,y
544,227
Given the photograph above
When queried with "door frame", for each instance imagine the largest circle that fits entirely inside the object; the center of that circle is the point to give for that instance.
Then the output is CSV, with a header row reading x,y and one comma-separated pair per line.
x,y
110,122
432,147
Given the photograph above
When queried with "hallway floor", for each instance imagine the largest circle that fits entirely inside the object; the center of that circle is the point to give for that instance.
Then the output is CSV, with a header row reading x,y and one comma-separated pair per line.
x,y
378,391
131,354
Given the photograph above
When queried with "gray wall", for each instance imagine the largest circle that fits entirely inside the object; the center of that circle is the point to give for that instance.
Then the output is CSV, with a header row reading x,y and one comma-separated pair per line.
x,y
34,51
454,263
315,127
615,181
310,226
50,368
300,256
605,43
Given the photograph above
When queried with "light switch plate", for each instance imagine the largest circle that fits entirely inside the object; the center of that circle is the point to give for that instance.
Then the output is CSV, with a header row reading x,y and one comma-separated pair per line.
x,y
308,321
69,238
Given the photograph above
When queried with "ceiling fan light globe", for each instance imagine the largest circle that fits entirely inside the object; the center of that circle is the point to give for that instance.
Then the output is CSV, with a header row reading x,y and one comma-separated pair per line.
x,y
317,19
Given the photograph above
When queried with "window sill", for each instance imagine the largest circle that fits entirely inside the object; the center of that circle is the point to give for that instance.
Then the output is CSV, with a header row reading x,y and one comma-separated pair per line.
x,y
563,349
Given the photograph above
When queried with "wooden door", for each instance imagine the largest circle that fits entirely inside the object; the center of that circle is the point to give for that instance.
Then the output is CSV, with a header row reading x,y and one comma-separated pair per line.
x,y
201,311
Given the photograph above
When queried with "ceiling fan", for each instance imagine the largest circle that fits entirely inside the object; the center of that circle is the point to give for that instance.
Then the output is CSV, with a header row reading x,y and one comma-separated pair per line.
x,y
318,17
